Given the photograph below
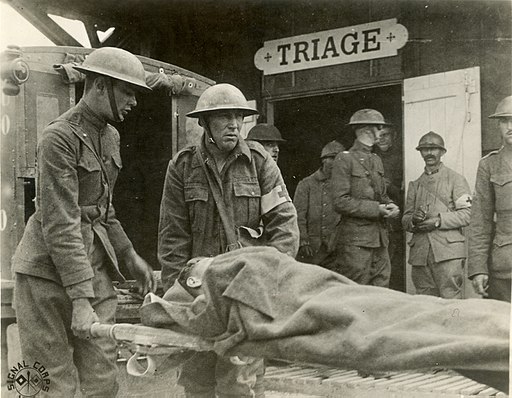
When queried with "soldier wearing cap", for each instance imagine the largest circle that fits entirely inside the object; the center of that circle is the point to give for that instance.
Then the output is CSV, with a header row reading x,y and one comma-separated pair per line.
x,y
224,177
359,196
438,206
490,231
316,216
73,243
269,136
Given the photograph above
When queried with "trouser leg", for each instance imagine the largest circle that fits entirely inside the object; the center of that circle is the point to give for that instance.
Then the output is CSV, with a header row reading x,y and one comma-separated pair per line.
x,y
449,278
197,375
499,289
96,358
43,312
240,380
423,279
206,373
354,262
380,268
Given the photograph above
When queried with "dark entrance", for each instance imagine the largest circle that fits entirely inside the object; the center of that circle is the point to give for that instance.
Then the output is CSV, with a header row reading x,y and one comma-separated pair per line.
x,y
309,123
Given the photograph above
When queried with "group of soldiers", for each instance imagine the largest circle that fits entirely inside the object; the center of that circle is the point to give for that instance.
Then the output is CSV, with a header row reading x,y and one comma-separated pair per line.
x,y
222,194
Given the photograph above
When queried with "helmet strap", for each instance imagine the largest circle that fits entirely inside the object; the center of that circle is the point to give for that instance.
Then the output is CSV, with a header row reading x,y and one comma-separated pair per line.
x,y
206,128
112,98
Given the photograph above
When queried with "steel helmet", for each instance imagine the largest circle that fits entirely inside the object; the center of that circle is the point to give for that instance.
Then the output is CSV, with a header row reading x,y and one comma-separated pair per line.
x,y
331,149
431,140
265,132
222,97
504,108
116,63
367,116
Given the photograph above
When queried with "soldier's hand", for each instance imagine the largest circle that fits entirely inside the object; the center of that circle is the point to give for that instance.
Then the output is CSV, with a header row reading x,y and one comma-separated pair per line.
x,y
418,216
141,271
394,211
428,225
480,284
383,210
83,317
306,251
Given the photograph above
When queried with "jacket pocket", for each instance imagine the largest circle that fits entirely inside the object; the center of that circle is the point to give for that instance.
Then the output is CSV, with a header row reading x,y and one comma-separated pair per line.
x,y
88,162
455,236
196,198
502,184
247,203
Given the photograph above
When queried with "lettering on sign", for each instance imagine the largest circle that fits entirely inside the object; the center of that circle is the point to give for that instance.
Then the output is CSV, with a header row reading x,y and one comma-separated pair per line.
x,y
331,47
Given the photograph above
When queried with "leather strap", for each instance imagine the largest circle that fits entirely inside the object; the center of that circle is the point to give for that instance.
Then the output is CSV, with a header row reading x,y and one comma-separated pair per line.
x,y
228,224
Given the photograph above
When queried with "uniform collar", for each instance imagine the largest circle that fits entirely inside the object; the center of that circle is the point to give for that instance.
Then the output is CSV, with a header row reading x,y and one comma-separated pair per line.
x,y
359,146
241,149
320,175
429,173
84,113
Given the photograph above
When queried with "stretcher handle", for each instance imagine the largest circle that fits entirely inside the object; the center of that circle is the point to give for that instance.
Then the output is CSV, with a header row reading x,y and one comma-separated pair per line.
x,y
102,330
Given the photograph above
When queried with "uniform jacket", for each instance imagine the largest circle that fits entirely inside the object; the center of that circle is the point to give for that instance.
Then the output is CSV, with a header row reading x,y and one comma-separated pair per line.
x,y
444,193
253,191
358,190
72,199
257,300
316,216
490,232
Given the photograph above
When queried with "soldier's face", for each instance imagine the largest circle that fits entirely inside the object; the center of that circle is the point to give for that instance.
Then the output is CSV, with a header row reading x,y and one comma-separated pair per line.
x,y
125,98
385,139
432,156
272,147
225,128
505,125
327,163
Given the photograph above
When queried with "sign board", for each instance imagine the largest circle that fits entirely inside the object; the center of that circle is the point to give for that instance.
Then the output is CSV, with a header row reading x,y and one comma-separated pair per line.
x,y
331,47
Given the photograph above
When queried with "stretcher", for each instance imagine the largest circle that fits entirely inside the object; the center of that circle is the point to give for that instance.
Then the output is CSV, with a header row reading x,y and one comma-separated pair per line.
x,y
148,343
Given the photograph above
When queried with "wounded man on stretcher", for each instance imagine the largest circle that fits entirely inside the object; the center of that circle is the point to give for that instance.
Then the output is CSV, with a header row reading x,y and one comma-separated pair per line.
x,y
259,302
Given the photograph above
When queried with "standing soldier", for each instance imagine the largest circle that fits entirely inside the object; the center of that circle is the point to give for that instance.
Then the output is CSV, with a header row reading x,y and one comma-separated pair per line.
x,y
438,206
316,216
73,242
223,174
269,136
391,155
490,231
359,195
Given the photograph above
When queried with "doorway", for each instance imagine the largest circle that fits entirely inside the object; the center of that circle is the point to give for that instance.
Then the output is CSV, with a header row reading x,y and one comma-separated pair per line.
x,y
308,123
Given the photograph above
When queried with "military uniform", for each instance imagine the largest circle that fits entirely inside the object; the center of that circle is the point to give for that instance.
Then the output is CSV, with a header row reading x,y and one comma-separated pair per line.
x,y
315,212
362,237
490,232
438,256
69,250
190,226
